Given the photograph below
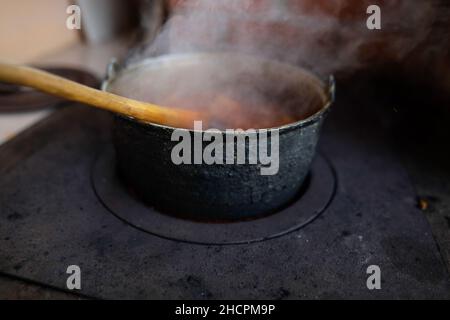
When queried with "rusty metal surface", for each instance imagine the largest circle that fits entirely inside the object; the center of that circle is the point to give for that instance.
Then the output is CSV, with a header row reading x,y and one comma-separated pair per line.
x,y
50,217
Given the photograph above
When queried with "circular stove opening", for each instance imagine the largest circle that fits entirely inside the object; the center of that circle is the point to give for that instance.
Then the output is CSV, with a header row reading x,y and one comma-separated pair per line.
x,y
311,202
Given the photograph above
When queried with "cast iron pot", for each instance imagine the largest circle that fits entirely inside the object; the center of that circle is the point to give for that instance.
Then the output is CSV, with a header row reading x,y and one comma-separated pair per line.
x,y
214,192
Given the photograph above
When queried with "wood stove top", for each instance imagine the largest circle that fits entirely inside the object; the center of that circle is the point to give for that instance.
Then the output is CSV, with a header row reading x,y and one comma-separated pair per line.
x,y
51,217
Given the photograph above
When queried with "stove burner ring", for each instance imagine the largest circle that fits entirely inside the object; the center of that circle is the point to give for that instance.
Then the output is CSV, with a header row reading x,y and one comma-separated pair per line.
x,y
117,200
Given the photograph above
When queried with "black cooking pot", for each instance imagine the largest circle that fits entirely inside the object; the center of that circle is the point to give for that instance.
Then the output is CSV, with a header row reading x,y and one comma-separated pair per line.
x,y
218,191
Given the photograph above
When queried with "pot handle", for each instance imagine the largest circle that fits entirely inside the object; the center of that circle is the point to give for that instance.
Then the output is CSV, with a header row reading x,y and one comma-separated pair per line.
x,y
332,88
111,71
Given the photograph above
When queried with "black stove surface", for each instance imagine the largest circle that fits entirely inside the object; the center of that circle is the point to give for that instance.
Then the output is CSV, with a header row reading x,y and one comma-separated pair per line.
x,y
52,216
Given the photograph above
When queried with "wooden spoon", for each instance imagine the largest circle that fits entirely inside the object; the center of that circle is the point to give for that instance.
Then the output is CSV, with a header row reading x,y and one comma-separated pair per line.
x,y
67,89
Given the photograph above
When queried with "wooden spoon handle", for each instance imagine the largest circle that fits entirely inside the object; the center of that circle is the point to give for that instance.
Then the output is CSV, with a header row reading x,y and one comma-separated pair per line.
x,y
67,89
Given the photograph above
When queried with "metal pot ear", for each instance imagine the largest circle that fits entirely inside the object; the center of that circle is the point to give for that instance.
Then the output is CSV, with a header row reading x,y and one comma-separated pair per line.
x,y
112,69
332,89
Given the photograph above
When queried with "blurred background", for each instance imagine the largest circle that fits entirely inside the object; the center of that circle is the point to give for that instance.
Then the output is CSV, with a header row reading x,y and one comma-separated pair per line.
x,y
327,37
312,32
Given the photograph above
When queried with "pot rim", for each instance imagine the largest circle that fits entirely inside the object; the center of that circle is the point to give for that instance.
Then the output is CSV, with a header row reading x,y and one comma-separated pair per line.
x,y
113,70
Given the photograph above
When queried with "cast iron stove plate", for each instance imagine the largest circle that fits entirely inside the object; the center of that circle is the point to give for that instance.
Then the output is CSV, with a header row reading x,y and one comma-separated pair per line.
x,y
51,217
319,191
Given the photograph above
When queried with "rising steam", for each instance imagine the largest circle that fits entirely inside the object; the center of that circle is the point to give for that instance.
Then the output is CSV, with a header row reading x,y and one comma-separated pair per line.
x,y
325,36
